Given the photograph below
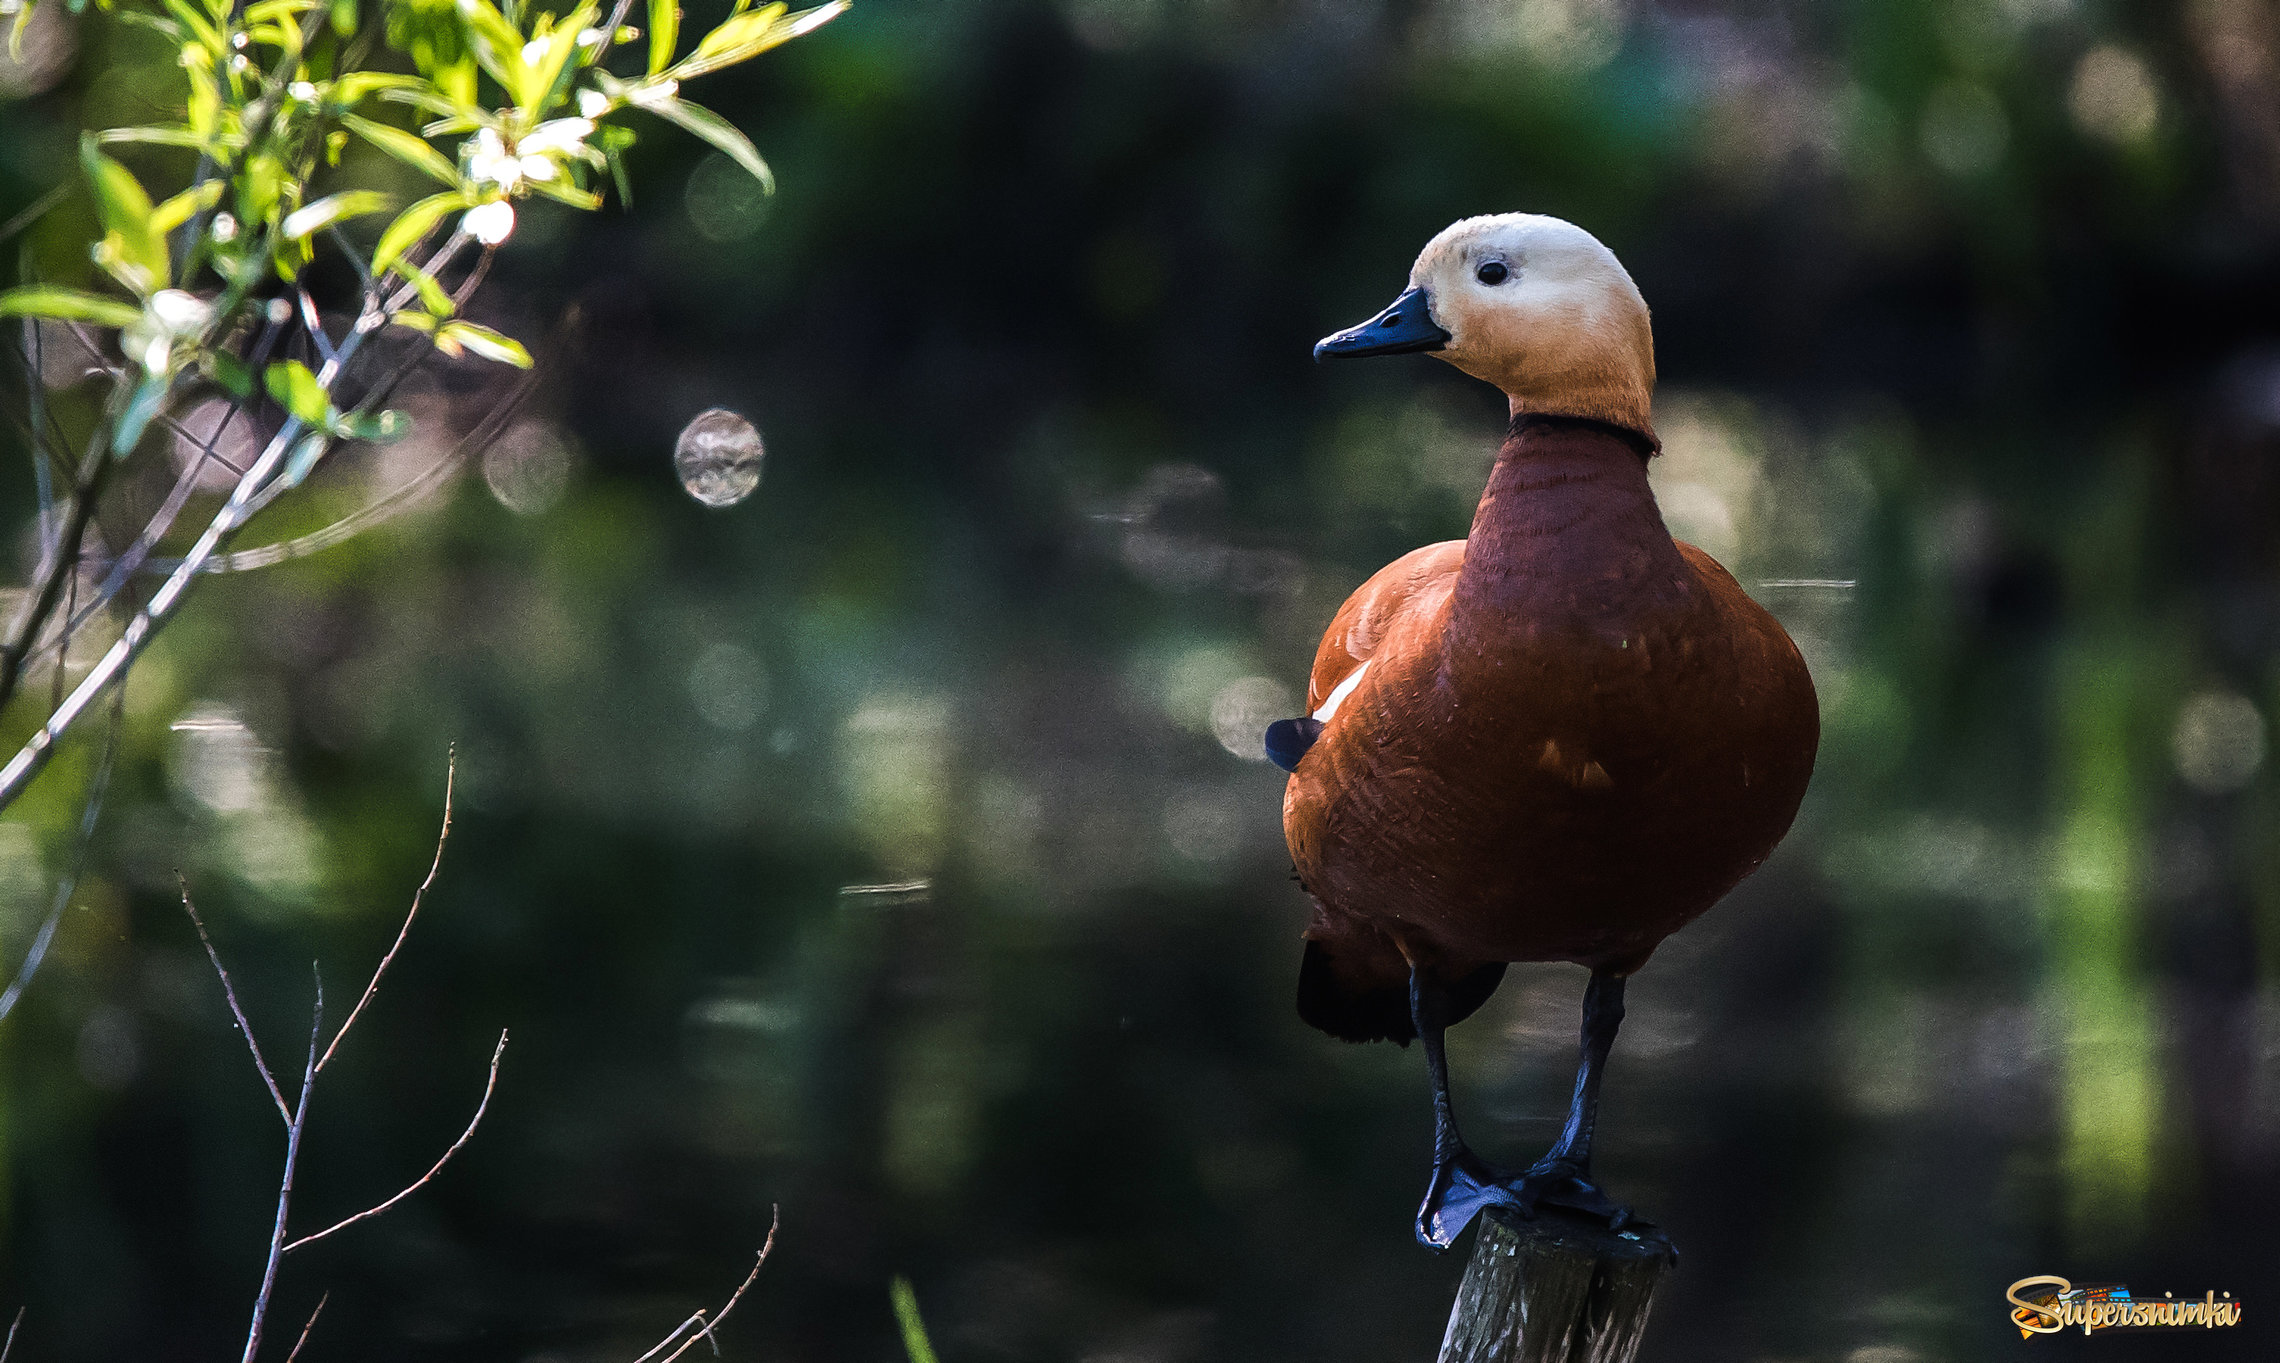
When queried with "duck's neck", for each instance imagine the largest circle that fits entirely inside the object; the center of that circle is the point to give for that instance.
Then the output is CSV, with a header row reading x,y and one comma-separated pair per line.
x,y
1567,535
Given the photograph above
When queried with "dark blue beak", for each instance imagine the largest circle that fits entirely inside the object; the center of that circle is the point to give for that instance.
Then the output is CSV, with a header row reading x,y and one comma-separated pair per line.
x,y
1405,327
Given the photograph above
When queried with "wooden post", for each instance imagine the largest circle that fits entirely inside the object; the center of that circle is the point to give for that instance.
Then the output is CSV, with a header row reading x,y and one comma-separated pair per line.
x,y
1558,1289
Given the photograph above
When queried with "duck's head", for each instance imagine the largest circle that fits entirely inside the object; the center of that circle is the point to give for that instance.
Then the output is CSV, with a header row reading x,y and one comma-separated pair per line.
x,y
1534,305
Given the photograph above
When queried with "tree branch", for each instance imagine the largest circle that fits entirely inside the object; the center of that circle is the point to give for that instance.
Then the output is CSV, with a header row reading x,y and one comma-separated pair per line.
x,y
285,1185
296,1353
775,1218
87,817
443,835
477,1120
55,565
244,1028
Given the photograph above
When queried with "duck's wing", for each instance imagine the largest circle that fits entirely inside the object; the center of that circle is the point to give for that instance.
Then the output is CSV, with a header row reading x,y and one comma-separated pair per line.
x,y
1418,577
1354,982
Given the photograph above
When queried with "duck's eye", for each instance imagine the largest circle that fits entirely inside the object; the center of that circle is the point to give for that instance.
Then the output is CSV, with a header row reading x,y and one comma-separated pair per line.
x,y
1492,273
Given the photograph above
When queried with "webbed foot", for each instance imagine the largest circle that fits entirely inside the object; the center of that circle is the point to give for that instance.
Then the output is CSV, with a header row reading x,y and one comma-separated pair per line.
x,y
1463,1186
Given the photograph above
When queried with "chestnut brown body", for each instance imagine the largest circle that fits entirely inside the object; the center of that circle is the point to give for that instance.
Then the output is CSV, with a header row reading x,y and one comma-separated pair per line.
x,y
1573,735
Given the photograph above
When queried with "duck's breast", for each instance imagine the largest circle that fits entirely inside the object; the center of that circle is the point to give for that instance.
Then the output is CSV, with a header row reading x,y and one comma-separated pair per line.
x,y
1574,787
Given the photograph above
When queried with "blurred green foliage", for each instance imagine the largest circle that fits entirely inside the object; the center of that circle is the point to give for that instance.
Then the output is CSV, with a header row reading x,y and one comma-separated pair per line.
x,y
892,845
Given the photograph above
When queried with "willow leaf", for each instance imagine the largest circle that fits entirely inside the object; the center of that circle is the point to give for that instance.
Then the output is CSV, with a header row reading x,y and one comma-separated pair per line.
x,y
412,224
409,148
664,33
483,341
310,219
69,305
718,131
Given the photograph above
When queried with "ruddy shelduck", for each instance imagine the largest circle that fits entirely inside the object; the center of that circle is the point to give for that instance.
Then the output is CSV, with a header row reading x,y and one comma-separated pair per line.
x,y
1559,739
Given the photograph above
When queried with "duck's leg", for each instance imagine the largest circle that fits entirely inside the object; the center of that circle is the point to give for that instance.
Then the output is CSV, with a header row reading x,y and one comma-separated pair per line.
x,y
1563,1177
1461,1184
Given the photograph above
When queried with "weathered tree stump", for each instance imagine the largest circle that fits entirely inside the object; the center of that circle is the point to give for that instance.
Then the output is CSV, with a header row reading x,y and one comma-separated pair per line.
x,y
1558,1289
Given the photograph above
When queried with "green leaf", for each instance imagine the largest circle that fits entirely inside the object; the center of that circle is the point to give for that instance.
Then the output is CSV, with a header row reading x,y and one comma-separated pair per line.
x,y
716,130
664,33
497,44
746,34
615,139
457,82
260,186
227,371
298,392
70,305
378,427
483,341
915,1343
202,108
307,451
171,30
409,148
432,297
414,223
160,137
433,99
175,35
177,210
357,86
200,28
459,125
756,30
149,396
561,45
310,219
564,192
131,248
276,23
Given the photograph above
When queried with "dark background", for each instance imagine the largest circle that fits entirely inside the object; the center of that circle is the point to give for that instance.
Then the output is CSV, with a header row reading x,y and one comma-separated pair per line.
x,y
1968,316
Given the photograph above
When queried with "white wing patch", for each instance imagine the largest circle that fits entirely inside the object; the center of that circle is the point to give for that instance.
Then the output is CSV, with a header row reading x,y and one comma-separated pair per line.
x,y
1340,692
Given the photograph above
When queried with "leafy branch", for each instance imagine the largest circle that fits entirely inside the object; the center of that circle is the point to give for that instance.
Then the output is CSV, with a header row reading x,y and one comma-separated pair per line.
x,y
198,289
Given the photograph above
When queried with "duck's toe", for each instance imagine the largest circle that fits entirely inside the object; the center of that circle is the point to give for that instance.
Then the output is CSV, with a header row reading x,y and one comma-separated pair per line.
x,y
1564,1183
1462,1188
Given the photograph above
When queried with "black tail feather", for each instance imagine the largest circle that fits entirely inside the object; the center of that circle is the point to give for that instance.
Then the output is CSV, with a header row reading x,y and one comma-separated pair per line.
x,y
1380,1012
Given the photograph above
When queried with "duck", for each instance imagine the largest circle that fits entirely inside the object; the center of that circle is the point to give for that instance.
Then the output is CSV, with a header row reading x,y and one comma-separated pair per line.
x,y
1561,738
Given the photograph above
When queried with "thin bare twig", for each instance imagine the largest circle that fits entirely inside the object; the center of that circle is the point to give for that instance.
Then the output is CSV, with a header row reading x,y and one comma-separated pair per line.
x,y
45,937
386,506
229,992
32,214
610,30
304,1329
443,835
285,1185
125,566
314,323
477,1120
35,404
63,653
58,562
13,1327
775,1218
660,1346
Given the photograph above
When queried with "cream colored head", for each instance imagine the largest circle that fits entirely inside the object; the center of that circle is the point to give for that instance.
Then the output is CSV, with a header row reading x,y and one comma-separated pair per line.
x,y
1534,305
1561,329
